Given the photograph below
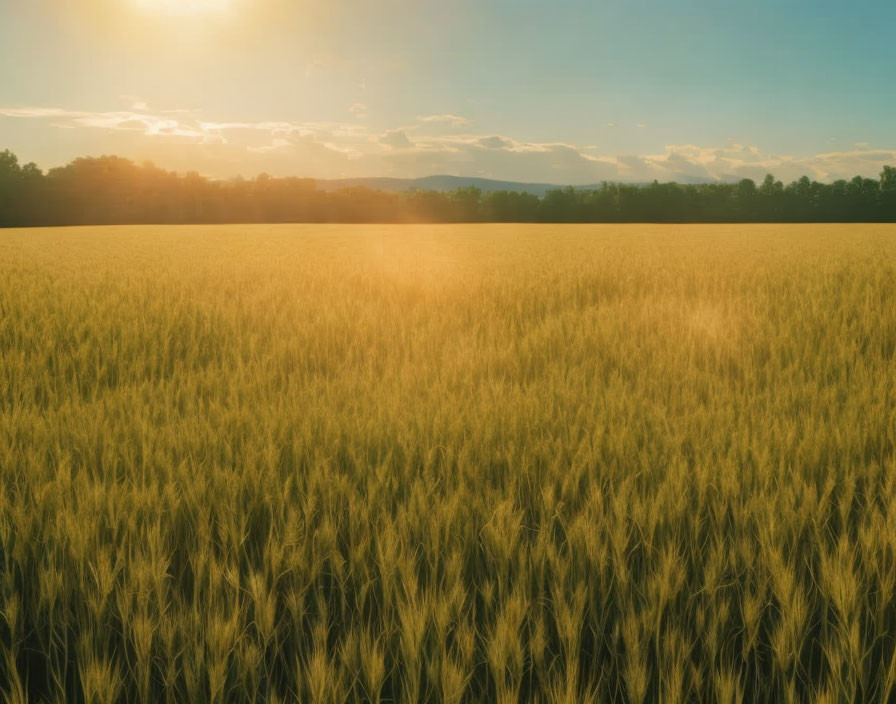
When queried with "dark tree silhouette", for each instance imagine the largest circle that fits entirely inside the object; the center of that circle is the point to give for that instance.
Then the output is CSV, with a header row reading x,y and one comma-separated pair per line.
x,y
112,190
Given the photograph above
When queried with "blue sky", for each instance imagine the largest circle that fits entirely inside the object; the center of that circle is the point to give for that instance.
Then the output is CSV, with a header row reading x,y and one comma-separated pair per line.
x,y
565,91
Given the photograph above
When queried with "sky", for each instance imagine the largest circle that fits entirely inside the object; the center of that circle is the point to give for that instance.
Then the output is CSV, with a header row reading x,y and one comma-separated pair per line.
x,y
566,91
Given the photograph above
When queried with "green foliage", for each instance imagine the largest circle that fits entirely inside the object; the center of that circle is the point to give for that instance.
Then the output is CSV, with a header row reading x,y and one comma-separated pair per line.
x,y
110,190
448,464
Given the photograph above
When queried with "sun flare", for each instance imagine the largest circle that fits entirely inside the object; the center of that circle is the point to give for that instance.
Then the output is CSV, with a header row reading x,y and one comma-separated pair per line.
x,y
185,7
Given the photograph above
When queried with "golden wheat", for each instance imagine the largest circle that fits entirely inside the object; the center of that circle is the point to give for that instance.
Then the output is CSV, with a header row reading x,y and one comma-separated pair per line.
x,y
448,464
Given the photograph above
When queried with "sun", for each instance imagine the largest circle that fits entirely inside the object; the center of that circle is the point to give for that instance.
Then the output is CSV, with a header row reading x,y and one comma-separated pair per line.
x,y
185,7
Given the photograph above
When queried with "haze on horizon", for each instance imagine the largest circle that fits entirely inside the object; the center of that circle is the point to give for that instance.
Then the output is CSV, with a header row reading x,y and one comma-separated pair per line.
x,y
564,92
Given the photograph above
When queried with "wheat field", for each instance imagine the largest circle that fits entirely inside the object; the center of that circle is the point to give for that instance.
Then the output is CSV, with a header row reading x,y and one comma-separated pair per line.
x,y
471,463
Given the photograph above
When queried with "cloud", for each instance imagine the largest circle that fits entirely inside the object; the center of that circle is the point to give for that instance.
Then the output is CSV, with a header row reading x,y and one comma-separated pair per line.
x,y
148,124
494,143
359,110
134,102
497,157
446,118
276,144
396,139
36,112
131,125
689,162
218,147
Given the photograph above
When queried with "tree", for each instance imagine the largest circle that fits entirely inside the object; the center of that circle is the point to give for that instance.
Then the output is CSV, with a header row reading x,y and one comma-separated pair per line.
x,y
466,203
771,194
888,194
112,190
10,176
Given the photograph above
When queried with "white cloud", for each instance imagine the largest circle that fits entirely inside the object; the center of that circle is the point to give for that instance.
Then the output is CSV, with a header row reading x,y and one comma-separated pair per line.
x,y
185,140
276,144
37,112
396,139
494,142
445,118
742,161
128,120
134,102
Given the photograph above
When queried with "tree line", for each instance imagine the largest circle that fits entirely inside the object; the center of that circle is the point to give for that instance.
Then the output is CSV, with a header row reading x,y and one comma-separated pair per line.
x,y
111,190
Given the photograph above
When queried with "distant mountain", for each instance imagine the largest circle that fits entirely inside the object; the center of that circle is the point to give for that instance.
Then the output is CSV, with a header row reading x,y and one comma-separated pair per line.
x,y
486,185
441,183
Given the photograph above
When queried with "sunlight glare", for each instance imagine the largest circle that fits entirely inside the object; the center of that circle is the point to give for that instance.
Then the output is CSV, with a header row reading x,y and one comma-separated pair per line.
x,y
185,7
